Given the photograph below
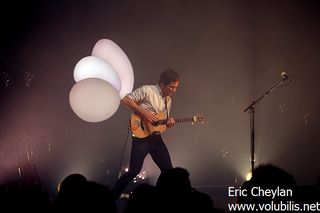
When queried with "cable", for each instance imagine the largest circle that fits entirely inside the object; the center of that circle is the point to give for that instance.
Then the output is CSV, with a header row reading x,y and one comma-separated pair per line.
x,y
124,148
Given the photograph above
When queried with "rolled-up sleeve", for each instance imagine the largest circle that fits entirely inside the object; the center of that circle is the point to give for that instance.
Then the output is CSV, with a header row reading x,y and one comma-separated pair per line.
x,y
138,94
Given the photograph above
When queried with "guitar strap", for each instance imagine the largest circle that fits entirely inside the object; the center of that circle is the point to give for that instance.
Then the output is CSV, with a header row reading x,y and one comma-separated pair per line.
x,y
166,103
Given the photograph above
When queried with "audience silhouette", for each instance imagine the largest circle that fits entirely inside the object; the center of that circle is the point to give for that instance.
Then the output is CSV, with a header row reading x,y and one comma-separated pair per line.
x,y
269,177
176,193
143,199
76,193
288,197
173,192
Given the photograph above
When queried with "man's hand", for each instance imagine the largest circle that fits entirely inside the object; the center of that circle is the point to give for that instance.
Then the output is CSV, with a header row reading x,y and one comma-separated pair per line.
x,y
136,108
149,116
171,122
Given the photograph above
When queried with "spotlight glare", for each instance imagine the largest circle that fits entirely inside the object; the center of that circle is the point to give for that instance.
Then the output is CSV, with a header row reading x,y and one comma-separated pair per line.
x,y
248,176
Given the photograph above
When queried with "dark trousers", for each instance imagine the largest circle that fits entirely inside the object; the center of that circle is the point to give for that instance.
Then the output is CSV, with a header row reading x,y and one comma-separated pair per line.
x,y
152,145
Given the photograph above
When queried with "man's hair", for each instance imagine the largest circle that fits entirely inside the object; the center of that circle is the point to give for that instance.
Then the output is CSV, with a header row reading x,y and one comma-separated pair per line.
x,y
168,76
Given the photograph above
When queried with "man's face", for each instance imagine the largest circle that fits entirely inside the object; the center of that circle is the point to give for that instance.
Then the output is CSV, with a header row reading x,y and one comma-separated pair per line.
x,y
168,90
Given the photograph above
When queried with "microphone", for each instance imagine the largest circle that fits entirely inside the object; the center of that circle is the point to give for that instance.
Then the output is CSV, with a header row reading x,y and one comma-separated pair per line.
x,y
284,75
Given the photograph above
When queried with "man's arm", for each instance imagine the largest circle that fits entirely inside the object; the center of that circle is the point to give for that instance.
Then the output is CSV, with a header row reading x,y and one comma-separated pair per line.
x,y
136,108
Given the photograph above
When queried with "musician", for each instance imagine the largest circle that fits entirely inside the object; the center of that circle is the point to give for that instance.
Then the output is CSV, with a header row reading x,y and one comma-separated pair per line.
x,y
146,101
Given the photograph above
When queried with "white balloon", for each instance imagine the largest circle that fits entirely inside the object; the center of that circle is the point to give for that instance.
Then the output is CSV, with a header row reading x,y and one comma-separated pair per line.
x,y
95,67
94,99
115,56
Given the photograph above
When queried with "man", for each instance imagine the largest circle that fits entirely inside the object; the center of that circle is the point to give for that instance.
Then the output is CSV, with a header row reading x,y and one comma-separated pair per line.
x,y
146,101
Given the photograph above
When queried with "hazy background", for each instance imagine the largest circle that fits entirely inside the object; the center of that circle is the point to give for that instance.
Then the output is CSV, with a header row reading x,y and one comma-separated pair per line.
x,y
228,54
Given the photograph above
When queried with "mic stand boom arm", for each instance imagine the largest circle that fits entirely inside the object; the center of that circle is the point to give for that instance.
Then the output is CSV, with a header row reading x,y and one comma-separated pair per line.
x,y
251,109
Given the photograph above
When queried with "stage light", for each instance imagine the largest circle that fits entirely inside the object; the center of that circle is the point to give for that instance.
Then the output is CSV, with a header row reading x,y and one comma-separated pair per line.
x,y
248,176
115,56
95,67
140,177
94,99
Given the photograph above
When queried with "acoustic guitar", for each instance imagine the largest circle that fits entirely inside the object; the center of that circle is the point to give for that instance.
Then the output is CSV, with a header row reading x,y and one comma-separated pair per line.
x,y
142,128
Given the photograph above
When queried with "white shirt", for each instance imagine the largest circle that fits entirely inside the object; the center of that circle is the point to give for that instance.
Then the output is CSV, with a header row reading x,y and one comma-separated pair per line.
x,y
150,97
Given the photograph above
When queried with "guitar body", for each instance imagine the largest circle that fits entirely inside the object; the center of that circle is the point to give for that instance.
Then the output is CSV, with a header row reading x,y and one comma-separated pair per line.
x,y
142,128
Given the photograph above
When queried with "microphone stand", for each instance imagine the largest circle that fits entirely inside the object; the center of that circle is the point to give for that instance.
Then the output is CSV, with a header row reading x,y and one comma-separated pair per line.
x,y
251,109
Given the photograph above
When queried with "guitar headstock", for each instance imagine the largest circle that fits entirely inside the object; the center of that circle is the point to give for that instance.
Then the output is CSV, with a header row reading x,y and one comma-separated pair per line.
x,y
198,118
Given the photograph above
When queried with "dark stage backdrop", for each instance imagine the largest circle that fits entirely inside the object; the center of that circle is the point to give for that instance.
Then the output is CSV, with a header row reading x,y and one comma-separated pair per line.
x,y
228,53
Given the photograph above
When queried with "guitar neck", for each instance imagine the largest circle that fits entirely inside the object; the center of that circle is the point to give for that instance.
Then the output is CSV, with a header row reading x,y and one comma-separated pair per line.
x,y
183,120
178,120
